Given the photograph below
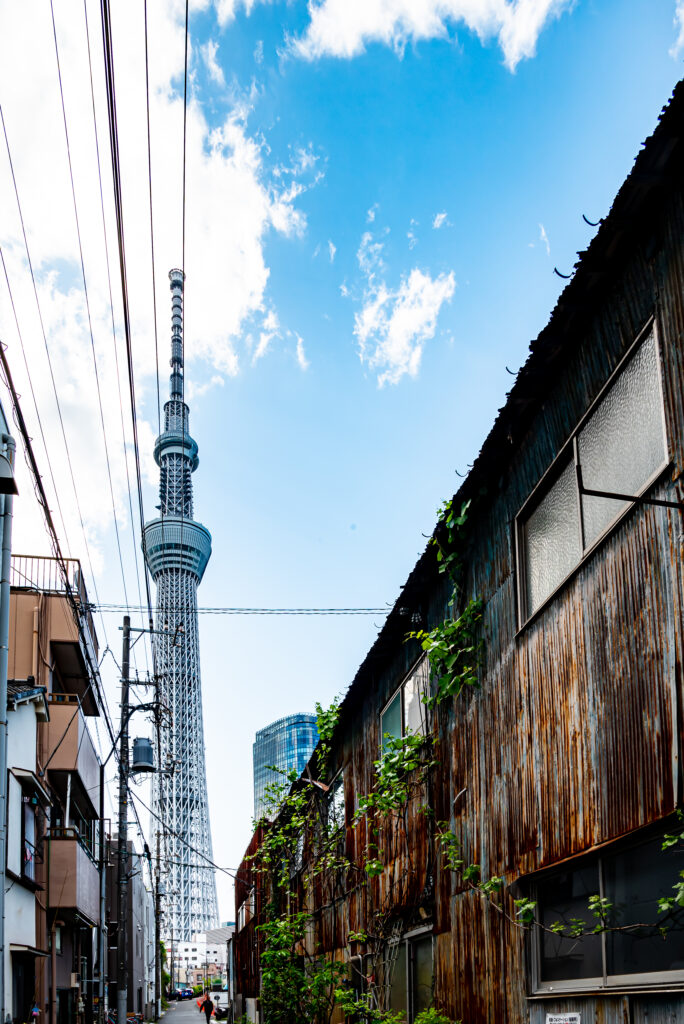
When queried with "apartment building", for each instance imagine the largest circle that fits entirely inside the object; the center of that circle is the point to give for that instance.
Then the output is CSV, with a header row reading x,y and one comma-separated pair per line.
x,y
53,651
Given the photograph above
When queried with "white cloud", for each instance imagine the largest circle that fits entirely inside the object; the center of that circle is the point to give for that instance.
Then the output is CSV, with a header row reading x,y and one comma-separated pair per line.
x,y
543,237
440,219
678,45
209,51
340,28
370,214
332,249
194,391
233,203
301,355
369,255
226,9
393,326
259,51
270,329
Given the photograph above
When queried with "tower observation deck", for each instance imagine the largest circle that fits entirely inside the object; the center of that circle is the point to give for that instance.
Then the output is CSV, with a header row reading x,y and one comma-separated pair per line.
x,y
177,550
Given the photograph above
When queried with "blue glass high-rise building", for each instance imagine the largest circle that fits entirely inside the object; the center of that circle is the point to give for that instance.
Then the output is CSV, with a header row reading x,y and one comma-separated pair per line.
x,y
287,744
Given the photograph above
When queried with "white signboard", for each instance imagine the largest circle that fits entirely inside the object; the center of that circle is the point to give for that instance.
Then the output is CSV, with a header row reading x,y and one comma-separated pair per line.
x,y
563,1018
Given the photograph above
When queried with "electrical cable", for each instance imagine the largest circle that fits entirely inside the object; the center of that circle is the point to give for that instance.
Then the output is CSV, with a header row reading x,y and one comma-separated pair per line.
x,y
149,175
87,304
209,863
49,360
111,307
118,204
77,608
33,394
107,608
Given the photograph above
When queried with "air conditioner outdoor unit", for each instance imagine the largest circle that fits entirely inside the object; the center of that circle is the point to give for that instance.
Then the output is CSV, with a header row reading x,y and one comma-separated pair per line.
x,y
75,980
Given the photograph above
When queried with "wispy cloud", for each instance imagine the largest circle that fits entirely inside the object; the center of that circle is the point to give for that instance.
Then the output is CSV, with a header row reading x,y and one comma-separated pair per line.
x,y
369,255
332,249
270,329
301,355
259,51
370,214
209,51
338,28
440,219
678,44
543,237
393,325
199,390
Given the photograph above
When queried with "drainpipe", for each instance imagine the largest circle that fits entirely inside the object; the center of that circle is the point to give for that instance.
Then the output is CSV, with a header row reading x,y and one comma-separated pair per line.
x,y
9,447
67,810
34,658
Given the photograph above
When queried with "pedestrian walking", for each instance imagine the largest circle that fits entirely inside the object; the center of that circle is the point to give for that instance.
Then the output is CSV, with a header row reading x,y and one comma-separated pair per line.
x,y
207,1006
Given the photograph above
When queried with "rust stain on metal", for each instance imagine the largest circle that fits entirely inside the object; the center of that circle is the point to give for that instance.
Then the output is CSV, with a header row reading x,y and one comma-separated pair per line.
x,y
574,737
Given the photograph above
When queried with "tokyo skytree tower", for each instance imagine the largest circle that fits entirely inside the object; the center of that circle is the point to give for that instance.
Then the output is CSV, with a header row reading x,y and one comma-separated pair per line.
x,y
177,550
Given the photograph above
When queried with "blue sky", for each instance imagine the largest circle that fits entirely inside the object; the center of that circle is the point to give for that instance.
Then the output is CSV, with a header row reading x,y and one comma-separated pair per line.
x,y
371,242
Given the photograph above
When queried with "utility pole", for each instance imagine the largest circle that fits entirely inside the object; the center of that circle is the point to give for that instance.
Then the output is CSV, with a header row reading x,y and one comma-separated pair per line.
x,y
102,934
122,882
157,937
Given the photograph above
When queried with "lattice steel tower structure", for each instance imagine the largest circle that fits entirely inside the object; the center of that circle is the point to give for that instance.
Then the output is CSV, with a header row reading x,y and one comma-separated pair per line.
x,y
177,550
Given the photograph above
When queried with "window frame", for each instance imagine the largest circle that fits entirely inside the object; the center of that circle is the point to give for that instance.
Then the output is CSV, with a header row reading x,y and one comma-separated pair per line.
x,y
605,983
336,786
400,691
569,455
408,940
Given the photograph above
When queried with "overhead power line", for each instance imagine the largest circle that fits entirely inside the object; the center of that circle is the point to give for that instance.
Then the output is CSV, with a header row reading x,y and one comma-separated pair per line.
x,y
118,206
257,611
87,299
111,308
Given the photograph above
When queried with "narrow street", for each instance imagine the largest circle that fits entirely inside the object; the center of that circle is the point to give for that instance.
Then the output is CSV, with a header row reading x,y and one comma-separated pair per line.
x,y
187,1012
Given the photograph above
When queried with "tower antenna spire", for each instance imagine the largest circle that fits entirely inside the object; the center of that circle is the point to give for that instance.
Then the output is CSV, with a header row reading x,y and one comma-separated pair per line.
x,y
177,550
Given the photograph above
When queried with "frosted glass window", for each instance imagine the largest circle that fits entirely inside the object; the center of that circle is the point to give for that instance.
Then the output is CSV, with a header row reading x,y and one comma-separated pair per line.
x,y
552,539
623,443
415,688
620,448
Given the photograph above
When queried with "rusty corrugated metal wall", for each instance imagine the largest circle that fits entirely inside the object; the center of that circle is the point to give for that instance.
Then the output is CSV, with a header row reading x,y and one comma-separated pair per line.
x,y
574,737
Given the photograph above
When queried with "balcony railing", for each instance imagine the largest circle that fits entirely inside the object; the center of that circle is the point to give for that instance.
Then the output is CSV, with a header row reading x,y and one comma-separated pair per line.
x,y
39,572
43,574
73,882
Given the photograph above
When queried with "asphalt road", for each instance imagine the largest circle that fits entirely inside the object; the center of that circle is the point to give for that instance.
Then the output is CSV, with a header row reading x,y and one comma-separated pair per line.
x,y
185,1011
